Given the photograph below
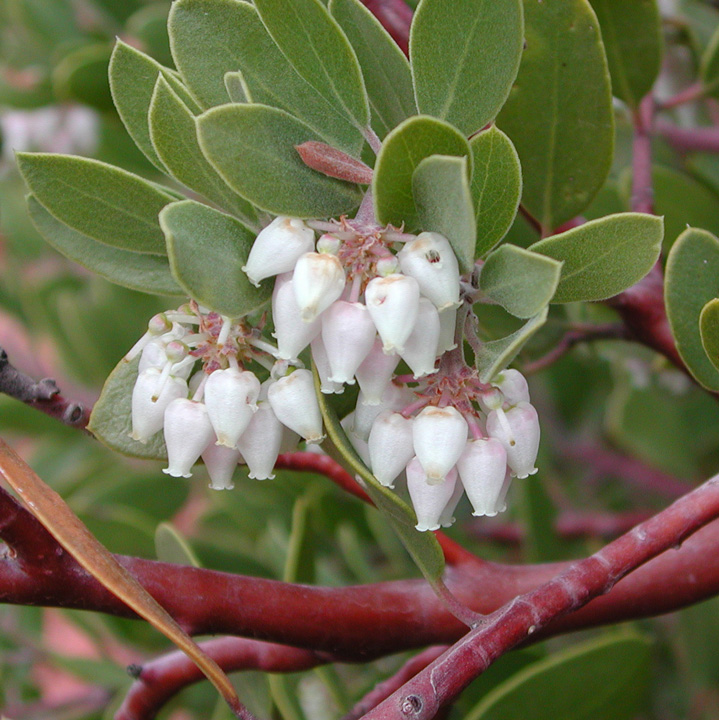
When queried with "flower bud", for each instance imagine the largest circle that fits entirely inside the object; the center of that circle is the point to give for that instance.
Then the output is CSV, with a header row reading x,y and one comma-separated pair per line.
x,y
322,363
518,430
230,397
277,248
388,265
292,334
293,400
420,350
329,244
482,469
260,443
348,334
148,415
221,462
393,302
390,446
428,498
153,355
188,431
439,436
432,262
318,280
375,373
513,386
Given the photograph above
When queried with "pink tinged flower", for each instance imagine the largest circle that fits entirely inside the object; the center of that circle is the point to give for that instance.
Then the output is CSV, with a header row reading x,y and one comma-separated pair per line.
x,y
375,373
432,262
513,386
420,350
148,414
393,399
221,462
428,498
439,436
447,327
348,334
518,430
393,302
230,397
260,443
446,519
188,431
482,468
293,400
358,443
322,363
318,280
390,446
292,334
277,248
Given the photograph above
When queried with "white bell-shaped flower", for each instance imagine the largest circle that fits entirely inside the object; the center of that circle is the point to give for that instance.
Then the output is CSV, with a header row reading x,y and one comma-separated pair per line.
x,y
518,430
513,386
375,373
293,400
277,248
260,443
221,462
482,469
292,334
393,398
153,355
428,498
447,328
322,363
188,431
230,397
393,302
318,280
348,334
390,446
432,262
447,518
358,443
420,350
152,393
439,436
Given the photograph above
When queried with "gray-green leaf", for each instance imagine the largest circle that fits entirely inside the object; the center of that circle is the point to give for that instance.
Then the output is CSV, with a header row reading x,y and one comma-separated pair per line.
x,y
709,328
604,257
207,250
521,281
465,55
709,68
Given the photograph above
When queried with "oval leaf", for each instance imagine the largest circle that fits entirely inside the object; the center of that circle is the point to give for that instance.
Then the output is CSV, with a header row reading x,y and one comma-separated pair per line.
x,y
444,204
171,547
561,101
104,202
709,329
465,55
207,250
496,187
692,280
402,151
604,257
521,281
709,68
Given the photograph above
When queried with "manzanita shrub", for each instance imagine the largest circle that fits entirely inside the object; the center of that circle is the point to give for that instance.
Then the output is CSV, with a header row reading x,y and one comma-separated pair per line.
x,y
368,224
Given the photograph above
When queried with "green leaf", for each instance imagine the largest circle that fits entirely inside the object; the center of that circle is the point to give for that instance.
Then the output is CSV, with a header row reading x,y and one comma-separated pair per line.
x,y
81,76
561,102
709,68
138,271
101,201
465,55
709,329
602,679
496,186
171,547
207,250
319,51
604,257
442,197
235,86
111,419
496,355
386,71
692,281
132,80
212,38
422,546
173,130
632,35
253,149
521,281
402,151
300,560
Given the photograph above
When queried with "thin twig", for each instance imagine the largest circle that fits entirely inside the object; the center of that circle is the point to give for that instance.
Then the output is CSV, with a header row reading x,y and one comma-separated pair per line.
x,y
642,188
684,140
689,94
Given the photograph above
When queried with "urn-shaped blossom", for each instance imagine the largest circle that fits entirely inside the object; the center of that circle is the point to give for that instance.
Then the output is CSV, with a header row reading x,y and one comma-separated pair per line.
x,y
446,519
277,248
390,446
230,397
393,302
429,499
322,363
318,280
293,335
439,436
375,373
513,386
152,393
220,462
518,430
482,469
188,431
447,328
260,443
294,403
393,398
348,334
420,350
432,262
